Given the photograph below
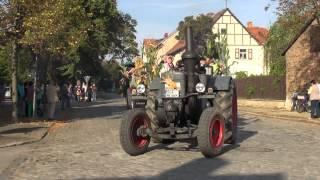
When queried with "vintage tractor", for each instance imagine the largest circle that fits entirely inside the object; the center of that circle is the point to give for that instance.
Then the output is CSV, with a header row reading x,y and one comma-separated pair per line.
x,y
134,85
137,94
190,105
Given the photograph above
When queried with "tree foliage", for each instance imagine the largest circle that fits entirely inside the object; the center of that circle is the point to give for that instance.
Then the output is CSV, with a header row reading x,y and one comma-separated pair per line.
x,y
81,33
74,36
110,33
207,44
202,30
152,67
4,65
292,15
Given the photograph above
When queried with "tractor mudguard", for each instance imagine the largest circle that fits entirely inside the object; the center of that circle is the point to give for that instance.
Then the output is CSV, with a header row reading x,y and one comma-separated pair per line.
x,y
220,83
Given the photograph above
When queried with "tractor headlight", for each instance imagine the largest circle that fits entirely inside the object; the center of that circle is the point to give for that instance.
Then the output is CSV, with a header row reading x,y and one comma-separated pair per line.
x,y
134,92
141,88
200,87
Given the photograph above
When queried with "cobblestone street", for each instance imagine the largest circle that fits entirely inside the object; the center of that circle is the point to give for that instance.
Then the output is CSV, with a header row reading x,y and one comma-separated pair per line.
x,y
88,148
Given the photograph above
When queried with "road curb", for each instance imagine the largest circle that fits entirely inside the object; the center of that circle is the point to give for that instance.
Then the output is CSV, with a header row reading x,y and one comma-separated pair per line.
x,y
33,140
293,119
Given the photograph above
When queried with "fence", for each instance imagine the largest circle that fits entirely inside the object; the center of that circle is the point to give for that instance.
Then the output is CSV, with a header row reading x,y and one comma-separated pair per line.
x,y
262,87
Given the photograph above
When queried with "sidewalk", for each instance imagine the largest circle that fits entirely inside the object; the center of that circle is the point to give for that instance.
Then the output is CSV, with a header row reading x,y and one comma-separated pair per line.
x,y
28,130
278,113
22,133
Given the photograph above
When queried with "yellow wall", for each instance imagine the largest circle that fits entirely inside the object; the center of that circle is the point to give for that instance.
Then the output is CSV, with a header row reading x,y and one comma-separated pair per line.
x,y
167,45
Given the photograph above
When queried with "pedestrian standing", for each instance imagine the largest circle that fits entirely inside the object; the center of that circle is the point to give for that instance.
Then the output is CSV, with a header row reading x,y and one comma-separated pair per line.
x,y
39,98
314,93
52,99
89,93
25,85
21,96
84,89
64,96
78,93
30,95
94,92
318,84
70,95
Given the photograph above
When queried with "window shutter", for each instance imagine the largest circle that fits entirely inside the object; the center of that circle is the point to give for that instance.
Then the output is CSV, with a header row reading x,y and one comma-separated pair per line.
x,y
237,53
250,54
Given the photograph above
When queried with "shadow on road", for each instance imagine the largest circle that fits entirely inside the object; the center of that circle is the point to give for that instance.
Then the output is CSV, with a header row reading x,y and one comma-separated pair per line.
x,y
202,169
100,109
20,130
242,133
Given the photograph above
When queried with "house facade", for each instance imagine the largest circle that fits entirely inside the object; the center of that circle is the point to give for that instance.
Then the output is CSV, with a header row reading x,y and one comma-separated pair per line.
x,y
303,59
163,45
245,44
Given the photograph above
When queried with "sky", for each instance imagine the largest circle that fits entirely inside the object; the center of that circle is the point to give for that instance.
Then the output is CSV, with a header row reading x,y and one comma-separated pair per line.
x,y
157,17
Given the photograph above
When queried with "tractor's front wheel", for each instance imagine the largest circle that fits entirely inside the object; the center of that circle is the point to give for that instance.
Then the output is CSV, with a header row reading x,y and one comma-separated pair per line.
x,y
211,132
132,140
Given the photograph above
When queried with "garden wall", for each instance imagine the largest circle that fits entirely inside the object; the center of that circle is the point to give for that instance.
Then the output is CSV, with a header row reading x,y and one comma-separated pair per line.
x,y
262,87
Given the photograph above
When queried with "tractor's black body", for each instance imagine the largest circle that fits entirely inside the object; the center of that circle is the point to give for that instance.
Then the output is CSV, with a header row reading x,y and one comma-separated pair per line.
x,y
184,111
135,99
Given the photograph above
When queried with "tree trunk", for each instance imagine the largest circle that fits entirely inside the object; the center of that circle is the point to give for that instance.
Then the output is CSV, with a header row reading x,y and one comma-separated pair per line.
x,y
35,87
14,82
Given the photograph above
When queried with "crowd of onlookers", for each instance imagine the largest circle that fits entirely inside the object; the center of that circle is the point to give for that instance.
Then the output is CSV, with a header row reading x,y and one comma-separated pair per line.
x,y
48,95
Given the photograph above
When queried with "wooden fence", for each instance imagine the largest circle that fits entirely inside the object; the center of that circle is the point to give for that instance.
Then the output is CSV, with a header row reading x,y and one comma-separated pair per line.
x,y
262,87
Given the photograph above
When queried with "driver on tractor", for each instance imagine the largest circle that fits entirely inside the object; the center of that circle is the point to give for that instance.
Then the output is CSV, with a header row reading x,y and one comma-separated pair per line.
x,y
167,64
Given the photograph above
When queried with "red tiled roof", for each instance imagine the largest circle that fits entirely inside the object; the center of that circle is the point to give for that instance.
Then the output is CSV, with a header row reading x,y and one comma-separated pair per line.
x,y
260,34
177,47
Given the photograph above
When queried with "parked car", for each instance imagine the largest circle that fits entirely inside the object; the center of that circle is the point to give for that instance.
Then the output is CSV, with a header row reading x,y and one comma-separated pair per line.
x,y
7,93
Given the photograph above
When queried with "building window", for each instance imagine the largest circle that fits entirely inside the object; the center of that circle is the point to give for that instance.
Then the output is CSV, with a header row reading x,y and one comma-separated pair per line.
x,y
243,54
237,53
250,54
223,31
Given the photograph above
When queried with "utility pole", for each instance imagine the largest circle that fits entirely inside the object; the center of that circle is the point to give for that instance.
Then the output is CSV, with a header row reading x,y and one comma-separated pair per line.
x,y
226,3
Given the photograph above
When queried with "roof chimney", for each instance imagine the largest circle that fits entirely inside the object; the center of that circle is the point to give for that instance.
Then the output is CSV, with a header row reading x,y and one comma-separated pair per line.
x,y
250,24
166,35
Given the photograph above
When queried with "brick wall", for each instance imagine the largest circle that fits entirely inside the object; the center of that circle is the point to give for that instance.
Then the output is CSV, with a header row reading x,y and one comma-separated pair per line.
x,y
302,65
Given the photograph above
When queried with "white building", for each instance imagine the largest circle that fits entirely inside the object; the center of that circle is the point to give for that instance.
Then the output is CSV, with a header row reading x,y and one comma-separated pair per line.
x,y
245,44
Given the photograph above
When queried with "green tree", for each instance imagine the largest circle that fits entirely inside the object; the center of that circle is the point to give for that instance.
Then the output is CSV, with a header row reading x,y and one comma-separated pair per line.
x,y
202,30
279,38
111,34
76,35
12,14
292,15
241,75
4,65
222,50
152,67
